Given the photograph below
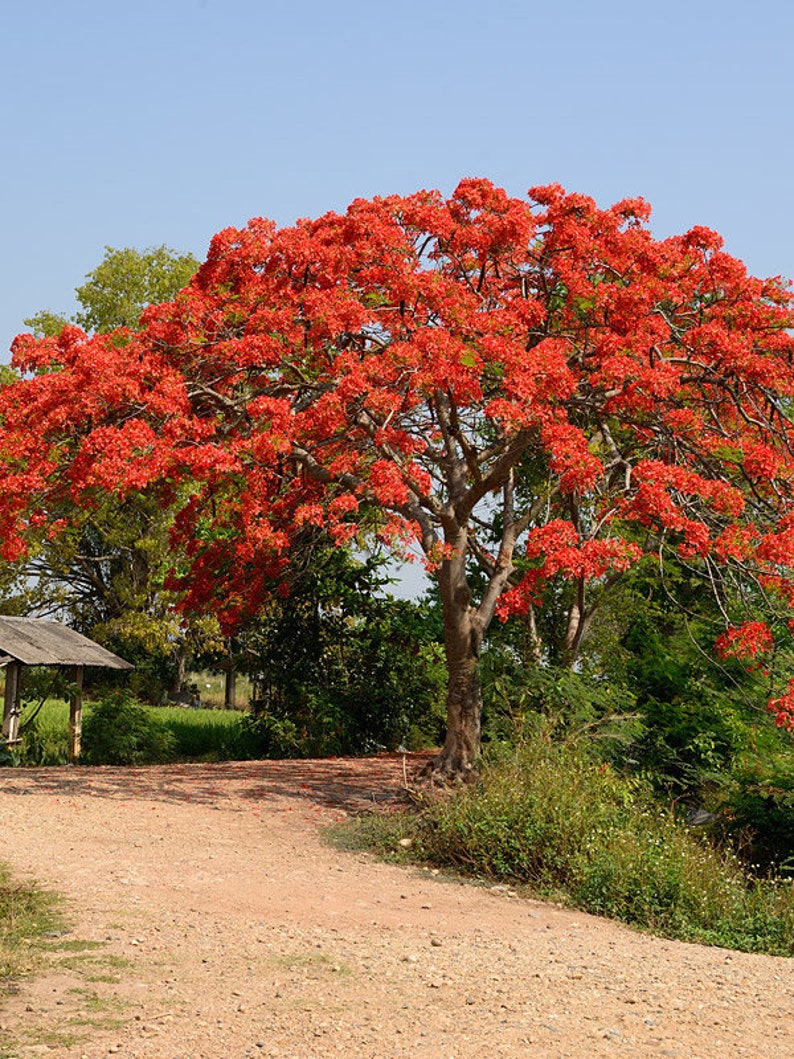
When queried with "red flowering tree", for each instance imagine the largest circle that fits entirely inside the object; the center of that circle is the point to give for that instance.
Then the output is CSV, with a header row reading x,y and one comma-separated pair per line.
x,y
490,377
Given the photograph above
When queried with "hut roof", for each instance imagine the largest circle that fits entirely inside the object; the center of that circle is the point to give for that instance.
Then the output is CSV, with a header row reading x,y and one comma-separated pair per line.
x,y
37,642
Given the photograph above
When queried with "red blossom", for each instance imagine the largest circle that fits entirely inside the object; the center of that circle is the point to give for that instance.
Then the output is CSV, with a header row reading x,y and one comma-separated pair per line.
x,y
745,641
422,365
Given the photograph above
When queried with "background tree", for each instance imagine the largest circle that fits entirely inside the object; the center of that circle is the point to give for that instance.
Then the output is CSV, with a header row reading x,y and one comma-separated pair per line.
x,y
339,666
117,291
481,371
104,572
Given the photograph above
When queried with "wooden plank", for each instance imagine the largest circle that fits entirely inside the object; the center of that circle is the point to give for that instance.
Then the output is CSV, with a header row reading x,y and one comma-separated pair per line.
x,y
11,704
76,715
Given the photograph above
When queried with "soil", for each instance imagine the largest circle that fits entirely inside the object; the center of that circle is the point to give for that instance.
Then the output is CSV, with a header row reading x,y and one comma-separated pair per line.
x,y
209,919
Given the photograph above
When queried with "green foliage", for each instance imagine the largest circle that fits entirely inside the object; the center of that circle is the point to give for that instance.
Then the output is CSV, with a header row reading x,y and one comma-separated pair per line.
x,y
46,740
341,669
649,664
118,290
44,719
549,815
266,735
191,735
202,735
754,806
104,571
517,695
46,324
8,375
120,731
697,715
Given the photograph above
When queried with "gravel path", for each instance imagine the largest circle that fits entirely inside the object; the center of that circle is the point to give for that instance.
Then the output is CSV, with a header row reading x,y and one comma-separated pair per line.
x,y
210,921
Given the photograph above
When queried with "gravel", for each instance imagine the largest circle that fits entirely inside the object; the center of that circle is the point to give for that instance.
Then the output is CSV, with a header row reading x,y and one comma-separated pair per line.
x,y
209,920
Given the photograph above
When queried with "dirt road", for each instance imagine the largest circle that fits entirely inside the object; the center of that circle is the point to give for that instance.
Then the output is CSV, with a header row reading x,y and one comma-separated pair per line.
x,y
209,920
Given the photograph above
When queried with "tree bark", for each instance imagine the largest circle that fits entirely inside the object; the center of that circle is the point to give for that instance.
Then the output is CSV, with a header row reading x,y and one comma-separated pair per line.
x,y
461,748
463,635
230,678
180,656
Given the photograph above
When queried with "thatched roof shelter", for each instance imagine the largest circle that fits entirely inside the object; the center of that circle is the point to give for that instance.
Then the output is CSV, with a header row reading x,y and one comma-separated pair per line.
x,y
40,642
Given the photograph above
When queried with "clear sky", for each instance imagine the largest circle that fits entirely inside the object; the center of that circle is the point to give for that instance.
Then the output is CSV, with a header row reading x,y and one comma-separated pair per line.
x,y
163,121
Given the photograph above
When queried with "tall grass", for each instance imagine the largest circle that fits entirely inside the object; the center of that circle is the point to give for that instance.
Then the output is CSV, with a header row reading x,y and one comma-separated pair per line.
x,y
202,735
547,815
45,741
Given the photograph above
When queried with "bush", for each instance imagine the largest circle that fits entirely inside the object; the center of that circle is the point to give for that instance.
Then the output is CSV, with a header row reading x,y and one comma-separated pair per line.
x,y
120,731
755,805
546,814
263,735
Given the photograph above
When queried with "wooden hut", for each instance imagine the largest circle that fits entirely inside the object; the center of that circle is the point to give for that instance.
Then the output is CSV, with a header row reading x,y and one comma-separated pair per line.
x,y
38,642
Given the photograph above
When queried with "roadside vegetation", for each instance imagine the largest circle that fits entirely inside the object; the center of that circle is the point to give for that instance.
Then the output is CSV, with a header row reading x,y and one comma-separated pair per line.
x,y
552,819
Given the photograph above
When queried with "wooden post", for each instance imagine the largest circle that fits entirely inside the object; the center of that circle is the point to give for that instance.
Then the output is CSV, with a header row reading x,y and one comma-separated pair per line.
x,y
11,704
76,715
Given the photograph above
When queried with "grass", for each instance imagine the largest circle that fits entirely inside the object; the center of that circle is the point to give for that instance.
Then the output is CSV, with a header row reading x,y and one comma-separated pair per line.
x,y
29,925
26,915
211,688
200,735
547,816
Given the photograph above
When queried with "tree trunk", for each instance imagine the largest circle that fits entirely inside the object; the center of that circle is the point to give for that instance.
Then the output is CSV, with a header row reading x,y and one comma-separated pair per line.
x,y
180,672
463,634
230,679
464,707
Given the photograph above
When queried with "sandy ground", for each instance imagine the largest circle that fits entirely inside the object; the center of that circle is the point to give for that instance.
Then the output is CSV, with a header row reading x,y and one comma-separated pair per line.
x,y
209,920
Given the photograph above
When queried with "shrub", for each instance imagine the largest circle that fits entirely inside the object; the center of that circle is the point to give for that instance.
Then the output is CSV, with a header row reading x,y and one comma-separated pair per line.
x,y
755,804
120,731
264,735
548,815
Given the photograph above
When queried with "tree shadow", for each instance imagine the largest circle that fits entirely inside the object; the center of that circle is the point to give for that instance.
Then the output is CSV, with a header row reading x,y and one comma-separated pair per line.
x,y
350,785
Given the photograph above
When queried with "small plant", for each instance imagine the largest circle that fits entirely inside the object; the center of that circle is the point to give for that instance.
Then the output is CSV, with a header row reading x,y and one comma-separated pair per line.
x,y
120,731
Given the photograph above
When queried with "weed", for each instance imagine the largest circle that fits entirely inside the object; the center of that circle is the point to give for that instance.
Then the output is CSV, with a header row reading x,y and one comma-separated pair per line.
x,y
71,945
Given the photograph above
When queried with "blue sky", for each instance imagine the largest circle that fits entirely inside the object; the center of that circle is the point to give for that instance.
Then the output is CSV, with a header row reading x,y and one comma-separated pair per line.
x,y
162,122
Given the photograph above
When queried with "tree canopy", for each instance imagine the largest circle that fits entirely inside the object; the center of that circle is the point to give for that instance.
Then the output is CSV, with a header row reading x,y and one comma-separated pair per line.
x,y
539,387
121,286
104,573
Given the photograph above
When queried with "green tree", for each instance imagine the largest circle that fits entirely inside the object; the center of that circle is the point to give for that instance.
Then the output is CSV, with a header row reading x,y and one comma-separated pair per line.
x,y
105,573
117,291
339,666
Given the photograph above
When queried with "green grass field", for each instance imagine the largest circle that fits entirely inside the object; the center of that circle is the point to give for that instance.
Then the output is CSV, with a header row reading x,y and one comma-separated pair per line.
x,y
200,735
211,690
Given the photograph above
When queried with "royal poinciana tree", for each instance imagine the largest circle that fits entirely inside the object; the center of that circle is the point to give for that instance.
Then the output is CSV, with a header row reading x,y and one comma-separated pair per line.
x,y
537,387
